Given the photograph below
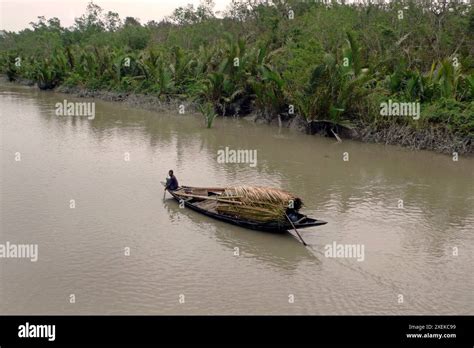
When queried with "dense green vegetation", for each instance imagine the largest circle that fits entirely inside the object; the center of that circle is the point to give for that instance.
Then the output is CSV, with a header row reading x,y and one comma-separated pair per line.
x,y
326,62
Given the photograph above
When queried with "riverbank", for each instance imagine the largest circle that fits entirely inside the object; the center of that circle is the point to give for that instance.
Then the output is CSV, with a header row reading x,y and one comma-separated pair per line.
x,y
367,76
433,138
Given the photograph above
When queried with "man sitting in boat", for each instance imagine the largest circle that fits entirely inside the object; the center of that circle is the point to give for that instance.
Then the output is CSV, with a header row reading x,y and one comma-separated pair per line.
x,y
171,182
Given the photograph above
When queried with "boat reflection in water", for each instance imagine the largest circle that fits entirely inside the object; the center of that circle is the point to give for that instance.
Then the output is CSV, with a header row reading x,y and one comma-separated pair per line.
x,y
280,250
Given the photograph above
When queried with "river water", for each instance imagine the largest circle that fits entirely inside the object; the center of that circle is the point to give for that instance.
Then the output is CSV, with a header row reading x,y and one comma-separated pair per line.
x,y
413,212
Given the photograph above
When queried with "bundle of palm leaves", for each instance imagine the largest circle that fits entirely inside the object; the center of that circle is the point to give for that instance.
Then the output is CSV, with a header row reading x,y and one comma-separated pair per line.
x,y
260,204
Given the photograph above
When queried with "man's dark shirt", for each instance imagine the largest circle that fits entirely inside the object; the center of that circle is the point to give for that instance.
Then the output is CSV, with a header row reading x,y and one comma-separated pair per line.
x,y
172,183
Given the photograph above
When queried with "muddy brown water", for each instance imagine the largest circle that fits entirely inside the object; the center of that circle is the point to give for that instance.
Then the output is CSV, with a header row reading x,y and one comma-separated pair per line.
x,y
119,204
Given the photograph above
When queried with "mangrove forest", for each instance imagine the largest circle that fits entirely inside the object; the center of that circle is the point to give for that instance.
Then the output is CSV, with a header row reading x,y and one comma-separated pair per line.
x,y
398,72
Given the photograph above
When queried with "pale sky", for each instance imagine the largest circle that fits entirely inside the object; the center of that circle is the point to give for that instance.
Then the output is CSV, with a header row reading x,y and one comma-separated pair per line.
x,y
17,14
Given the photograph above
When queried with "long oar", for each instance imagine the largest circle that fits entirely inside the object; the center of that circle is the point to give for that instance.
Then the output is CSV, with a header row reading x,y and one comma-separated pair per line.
x,y
291,222
164,194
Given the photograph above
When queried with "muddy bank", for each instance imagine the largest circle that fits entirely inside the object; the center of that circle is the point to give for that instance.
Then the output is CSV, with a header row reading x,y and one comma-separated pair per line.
x,y
18,81
433,138
142,101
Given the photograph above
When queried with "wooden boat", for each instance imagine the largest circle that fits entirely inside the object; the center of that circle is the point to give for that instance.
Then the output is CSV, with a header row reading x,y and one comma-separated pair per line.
x,y
205,200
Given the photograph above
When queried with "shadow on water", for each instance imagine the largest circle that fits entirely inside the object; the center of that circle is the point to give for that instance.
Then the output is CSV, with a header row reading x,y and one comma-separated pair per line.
x,y
280,250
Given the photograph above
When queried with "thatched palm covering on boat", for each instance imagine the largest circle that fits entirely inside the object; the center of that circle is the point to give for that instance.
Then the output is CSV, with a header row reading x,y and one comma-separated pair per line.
x,y
256,208
257,203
